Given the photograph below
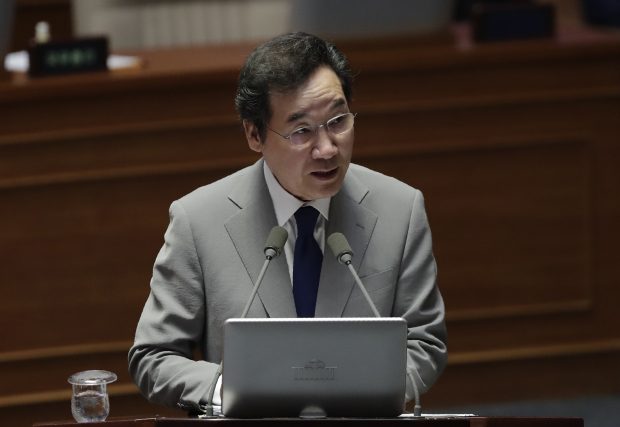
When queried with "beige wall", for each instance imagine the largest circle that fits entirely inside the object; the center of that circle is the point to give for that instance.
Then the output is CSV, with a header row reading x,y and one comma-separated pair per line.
x,y
160,23
153,23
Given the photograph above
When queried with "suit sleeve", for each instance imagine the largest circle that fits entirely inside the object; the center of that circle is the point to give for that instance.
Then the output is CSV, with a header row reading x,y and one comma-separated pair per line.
x,y
419,302
172,323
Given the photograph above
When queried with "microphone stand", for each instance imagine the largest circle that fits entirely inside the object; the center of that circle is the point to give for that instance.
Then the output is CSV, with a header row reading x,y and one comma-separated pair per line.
x,y
218,373
341,249
268,257
272,250
417,408
362,288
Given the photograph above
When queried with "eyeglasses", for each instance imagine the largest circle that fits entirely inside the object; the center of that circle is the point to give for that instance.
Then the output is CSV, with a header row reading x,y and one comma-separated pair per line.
x,y
336,125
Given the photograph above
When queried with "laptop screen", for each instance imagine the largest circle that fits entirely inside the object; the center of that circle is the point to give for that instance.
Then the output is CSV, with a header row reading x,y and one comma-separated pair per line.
x,y
334,367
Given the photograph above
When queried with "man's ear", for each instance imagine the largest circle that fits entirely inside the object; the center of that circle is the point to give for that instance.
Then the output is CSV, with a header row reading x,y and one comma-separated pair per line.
x,y
253,136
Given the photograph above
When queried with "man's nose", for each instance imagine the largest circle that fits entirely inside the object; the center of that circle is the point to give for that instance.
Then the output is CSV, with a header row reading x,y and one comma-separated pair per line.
x,y
325,147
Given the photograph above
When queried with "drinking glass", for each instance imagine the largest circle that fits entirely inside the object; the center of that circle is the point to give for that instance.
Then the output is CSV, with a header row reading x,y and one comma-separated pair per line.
x,y
89,401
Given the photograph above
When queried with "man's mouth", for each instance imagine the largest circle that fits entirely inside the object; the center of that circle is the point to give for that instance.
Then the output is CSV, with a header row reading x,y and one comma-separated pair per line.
x,y
325,174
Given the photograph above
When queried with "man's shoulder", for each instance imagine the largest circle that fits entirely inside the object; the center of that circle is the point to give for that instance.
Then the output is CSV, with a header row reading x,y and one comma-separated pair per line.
x,y
387,197
378,183
215,193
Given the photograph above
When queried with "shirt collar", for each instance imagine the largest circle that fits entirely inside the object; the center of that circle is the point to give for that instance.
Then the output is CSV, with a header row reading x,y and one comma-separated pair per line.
x,y
285,204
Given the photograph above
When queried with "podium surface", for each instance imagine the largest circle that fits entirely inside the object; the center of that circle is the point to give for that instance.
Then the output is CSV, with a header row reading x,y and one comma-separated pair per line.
x,y
429,421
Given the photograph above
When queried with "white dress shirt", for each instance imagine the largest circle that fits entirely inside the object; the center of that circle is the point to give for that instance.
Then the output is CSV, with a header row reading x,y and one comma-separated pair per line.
x,y
285,205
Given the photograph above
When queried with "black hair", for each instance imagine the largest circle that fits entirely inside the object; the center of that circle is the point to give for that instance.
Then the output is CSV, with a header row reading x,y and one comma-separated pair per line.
x,y
283,64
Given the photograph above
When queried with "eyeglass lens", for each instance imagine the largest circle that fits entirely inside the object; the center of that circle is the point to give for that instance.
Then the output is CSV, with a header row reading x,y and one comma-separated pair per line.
x,y
336,126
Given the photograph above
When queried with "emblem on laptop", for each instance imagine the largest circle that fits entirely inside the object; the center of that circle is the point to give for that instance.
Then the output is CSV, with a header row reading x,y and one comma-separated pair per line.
x,y
314,370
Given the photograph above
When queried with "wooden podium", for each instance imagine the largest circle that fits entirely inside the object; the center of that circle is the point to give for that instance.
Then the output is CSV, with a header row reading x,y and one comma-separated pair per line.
x,y
473,421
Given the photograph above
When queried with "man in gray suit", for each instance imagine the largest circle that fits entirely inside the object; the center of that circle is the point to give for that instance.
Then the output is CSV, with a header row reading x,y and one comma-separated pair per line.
x,y
293,98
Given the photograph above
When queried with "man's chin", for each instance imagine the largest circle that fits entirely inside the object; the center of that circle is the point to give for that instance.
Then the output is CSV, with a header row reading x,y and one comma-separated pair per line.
x,y
328,190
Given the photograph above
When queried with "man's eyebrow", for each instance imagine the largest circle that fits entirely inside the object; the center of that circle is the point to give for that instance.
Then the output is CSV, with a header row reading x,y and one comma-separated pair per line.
x,y
300,114
295,116
338,103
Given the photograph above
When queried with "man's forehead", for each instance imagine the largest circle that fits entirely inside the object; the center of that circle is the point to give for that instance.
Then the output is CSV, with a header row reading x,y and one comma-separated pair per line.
x,y
300,114
297,112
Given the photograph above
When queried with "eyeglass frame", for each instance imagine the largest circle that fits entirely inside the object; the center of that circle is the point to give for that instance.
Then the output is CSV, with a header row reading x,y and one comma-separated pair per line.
x,y
315,129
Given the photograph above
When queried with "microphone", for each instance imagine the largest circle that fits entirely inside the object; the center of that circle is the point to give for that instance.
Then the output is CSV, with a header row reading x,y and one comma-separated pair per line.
x,y
273,248
344,254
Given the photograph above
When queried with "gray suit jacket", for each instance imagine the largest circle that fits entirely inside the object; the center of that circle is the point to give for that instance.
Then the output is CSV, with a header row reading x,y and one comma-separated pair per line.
x,y
212,255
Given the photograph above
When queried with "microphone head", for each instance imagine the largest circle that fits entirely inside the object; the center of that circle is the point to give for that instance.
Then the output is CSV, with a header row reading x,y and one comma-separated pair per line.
x,y
275,241
340,247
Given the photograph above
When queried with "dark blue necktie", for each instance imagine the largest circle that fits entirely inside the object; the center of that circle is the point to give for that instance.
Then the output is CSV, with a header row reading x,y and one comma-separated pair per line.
x,y
307,263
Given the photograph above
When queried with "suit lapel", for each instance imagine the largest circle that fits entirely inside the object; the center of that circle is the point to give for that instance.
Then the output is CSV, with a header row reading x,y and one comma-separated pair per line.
x,y
248,230
357,223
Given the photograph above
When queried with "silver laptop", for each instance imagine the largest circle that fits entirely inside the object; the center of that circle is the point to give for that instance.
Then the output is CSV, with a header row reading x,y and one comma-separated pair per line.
x,y
320,367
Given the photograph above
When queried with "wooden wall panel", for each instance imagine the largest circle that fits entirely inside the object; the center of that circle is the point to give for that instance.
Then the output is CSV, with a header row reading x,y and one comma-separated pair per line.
x,y
514,146
524,377
49,366
179,147
82,245
527,229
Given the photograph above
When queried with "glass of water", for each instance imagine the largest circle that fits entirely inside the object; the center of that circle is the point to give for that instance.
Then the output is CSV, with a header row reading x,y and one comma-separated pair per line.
x,y
90,402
